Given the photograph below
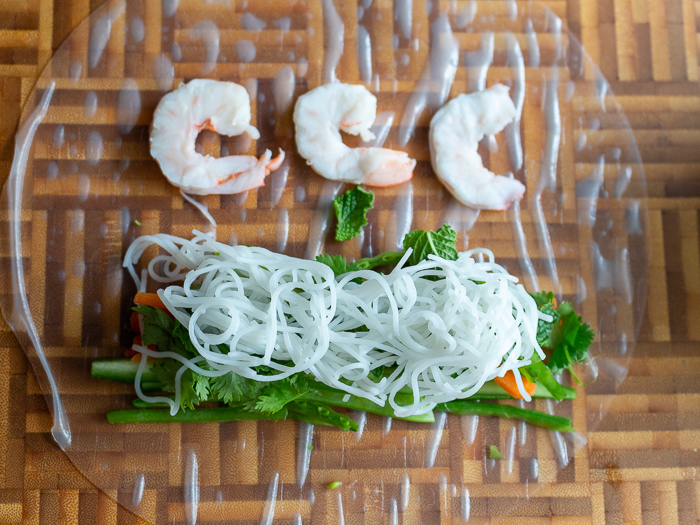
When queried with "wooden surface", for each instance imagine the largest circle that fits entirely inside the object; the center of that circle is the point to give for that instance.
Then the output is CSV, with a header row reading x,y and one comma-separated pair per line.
x,y
643,464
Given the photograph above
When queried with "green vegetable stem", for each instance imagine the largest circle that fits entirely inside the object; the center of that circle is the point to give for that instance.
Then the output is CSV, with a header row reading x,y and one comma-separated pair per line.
x,y
533,417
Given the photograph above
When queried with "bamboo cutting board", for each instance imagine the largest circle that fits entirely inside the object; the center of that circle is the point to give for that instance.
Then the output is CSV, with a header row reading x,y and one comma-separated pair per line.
x,y
640,466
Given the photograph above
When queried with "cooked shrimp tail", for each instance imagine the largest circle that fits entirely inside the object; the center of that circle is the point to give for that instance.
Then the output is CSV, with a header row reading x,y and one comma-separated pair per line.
x,y
223,107
322,113
455,132
274,163
251,175
385,167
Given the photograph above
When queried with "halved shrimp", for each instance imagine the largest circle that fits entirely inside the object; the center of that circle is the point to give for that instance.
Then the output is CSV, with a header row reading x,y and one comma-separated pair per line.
x,y
318,117
223,107
455,132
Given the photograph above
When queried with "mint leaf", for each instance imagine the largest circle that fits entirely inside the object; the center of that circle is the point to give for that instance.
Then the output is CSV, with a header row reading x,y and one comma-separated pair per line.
x,y
351,210
442,243
545,304
337,263
494,453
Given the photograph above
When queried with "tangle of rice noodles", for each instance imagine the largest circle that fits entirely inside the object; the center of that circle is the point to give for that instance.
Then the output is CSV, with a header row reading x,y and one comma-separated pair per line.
x,y
446,327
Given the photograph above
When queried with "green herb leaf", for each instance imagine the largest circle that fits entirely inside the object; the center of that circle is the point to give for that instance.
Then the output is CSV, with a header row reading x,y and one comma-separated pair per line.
x,y
566,339
574,349
158,326
165,332
334,485
545,304
337,263
233,389
165,370
494,453
188,394
351,210
184,344
277,394
375,374
441,243
201,387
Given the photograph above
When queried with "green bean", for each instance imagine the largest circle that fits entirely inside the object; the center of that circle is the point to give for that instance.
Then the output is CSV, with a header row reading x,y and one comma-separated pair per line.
x,y
533,417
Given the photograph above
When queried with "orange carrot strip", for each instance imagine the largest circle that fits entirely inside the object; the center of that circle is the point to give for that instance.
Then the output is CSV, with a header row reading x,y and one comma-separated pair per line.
x,y
507,383
149,299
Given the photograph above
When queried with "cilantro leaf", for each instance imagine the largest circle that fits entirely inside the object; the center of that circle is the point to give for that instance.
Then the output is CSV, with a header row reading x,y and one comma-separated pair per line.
x,y
158,326
351,210
565,338
165,370
201,387
337,263
585,336
190,388
277,394
569,339
194,388
257,396
441,242
233,389
182,336
543,298
574,349
165,332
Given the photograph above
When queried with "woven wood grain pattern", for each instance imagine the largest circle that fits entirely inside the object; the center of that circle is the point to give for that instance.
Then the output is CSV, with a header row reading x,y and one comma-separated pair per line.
x,y
641,466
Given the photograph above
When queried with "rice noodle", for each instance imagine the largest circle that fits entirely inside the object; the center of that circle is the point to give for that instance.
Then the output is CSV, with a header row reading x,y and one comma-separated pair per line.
x,y
446,336
203,208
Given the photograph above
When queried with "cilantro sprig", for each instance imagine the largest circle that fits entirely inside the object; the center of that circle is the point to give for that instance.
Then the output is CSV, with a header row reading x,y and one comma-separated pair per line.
x,y
337,263
566,337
